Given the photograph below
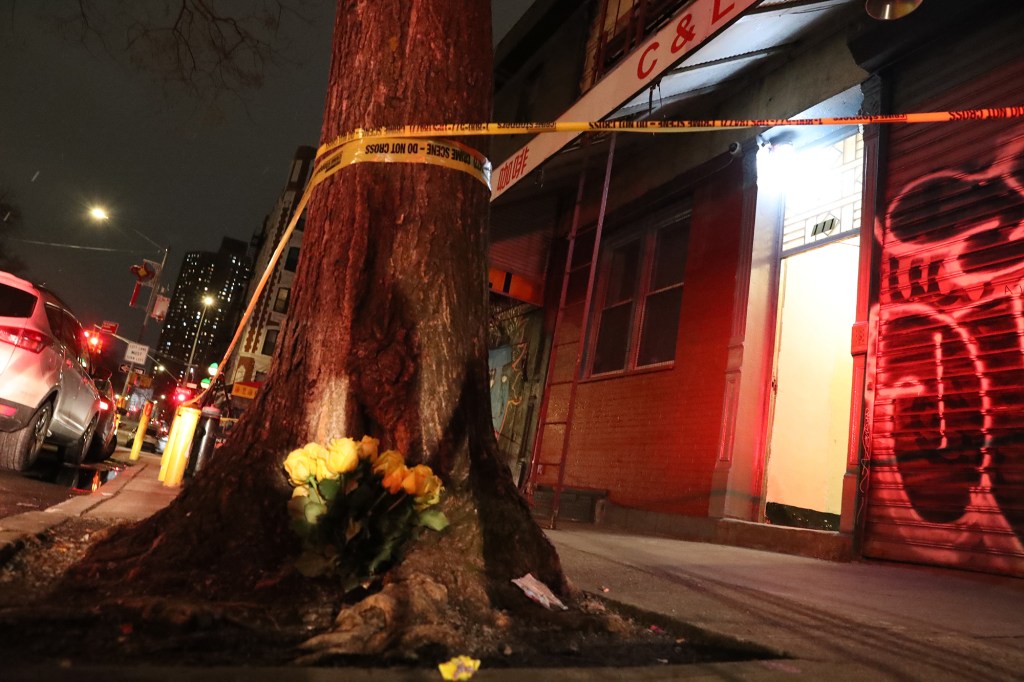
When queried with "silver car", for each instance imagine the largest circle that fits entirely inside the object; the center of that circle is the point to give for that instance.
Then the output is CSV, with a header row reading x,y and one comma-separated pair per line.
x,y
46,392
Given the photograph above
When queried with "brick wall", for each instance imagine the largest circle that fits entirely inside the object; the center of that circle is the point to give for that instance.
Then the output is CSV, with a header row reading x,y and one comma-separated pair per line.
x,y
650,438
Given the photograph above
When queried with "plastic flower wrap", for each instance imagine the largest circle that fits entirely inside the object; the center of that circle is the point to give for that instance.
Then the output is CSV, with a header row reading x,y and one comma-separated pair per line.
x,y
355,508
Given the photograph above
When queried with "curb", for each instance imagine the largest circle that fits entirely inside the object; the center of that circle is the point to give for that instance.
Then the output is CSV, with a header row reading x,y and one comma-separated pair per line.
x,y
16,531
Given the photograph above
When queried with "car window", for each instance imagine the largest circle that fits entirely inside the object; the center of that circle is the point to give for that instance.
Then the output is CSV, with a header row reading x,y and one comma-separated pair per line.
x,y
55,317
16,302
74,330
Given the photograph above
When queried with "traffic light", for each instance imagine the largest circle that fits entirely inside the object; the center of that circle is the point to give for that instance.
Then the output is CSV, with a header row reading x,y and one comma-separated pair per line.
x,y
93,340
181,395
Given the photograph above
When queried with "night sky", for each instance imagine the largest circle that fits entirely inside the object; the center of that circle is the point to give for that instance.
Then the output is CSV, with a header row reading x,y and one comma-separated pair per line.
x,y
78,127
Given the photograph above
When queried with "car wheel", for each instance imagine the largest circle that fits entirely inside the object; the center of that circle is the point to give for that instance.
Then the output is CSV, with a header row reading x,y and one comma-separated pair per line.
x,y
97,451
19,449
75,453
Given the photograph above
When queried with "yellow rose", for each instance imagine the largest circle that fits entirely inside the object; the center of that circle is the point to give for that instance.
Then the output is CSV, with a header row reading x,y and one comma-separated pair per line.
x,y
300,491
342,455
299,467
416,478
315,451
429,492
322,472
392,481
368,449
388,462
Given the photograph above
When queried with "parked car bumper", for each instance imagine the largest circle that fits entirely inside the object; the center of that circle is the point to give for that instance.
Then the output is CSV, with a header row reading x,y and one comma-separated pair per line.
x,y
13,415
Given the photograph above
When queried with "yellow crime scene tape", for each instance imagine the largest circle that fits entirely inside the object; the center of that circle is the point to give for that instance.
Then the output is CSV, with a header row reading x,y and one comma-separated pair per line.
x,y
397,149
392,145
686,126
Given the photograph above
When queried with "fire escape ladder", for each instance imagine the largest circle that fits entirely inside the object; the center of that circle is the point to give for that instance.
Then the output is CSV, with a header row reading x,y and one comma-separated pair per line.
x,y
571,279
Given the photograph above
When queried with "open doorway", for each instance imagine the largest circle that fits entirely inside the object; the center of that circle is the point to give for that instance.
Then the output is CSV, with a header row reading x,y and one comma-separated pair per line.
x,y
813,369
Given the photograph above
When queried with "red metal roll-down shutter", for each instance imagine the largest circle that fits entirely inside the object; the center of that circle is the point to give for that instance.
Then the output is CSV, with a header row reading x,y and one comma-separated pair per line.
x,y
946,467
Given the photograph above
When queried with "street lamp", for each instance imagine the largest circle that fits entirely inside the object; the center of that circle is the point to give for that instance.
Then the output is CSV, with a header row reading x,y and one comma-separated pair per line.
x,y
207,302
101,215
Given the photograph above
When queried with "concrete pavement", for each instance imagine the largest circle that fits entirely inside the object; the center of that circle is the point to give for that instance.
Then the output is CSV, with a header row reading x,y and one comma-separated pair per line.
x,y
835,621
861,620
132,493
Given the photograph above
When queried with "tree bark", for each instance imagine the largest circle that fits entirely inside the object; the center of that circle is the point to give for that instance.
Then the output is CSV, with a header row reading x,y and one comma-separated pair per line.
x,y
385,337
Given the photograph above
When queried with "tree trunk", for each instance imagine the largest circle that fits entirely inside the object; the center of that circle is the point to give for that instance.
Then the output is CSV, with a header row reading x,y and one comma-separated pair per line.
x,y
385,337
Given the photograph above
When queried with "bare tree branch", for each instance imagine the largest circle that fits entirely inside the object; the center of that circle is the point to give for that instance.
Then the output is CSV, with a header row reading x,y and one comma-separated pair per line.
x,y
211,48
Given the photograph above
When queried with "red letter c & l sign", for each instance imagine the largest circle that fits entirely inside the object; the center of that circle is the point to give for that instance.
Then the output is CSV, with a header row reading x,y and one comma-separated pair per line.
x,y
642,73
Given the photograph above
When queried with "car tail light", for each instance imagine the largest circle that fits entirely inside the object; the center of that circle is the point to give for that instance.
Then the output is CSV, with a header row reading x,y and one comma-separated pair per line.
x,y
104,405
29,339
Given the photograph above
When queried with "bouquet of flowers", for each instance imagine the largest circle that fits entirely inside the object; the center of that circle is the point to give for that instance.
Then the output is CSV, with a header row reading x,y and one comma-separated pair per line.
x,y
355,509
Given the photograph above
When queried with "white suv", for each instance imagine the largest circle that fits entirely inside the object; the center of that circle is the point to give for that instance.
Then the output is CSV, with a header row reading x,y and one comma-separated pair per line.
x,y
46,392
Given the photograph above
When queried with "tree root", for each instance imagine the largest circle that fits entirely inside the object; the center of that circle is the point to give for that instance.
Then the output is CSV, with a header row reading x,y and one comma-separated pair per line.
x,y
407,616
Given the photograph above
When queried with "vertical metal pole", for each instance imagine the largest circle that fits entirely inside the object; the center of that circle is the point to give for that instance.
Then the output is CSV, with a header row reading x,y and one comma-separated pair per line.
x,y
188,370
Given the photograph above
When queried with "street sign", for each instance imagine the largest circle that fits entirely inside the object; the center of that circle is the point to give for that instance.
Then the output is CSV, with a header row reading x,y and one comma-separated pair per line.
x,y
136,353
108,327
125,368
245,389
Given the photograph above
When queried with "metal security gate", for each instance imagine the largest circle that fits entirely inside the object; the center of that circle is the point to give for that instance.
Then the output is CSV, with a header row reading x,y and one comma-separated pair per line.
x,y
945,483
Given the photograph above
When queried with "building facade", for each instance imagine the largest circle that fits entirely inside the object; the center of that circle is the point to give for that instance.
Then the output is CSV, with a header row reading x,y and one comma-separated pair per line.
x,y
752,333
252,360
193,330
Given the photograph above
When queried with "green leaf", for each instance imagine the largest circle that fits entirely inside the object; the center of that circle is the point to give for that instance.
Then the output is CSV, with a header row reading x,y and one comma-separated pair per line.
x,y
329,489
314,510
433,519
297,507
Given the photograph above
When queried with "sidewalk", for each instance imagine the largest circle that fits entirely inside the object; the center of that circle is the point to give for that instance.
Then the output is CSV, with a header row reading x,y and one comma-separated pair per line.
x,y
835,621
134,493
860,620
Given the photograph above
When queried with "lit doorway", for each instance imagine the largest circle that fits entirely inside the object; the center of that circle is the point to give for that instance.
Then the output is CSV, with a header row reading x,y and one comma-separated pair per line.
x,y
813,369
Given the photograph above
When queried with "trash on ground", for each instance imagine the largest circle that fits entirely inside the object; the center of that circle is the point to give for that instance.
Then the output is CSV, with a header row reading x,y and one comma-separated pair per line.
x,y
538,592
459,668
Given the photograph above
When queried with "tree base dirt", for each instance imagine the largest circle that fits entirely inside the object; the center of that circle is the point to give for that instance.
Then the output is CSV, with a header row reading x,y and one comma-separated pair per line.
x,y
296,621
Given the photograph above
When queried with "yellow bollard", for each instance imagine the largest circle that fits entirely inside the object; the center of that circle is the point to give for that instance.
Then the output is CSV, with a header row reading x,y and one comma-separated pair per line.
x,y
140,431
179,443
165,458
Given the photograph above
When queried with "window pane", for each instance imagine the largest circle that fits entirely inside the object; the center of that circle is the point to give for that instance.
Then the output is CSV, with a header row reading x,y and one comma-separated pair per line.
x,y
660,328
269,341
612,339
281,302
669,256
291,261
15,302
622,273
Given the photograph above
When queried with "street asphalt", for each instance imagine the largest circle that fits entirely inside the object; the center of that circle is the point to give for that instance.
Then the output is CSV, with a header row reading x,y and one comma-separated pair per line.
x,y
826,620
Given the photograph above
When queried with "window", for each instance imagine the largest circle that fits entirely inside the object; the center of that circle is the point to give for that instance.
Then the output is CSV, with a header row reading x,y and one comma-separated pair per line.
x,y
269,341
639,298
281,301
291,261
15,302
